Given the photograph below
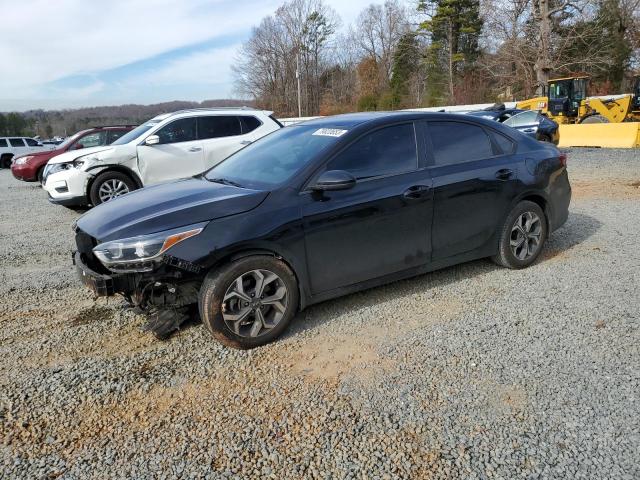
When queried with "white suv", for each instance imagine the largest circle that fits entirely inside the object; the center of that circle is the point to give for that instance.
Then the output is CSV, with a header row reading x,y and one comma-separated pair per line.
x,y
167,147
17,146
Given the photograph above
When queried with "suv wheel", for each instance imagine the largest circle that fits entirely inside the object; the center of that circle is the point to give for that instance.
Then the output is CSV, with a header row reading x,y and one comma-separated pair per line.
x,y
249,302
110,185
40,174
522,237
5,160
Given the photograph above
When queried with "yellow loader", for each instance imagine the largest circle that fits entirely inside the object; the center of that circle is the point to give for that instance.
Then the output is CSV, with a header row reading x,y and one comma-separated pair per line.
x,y
583,120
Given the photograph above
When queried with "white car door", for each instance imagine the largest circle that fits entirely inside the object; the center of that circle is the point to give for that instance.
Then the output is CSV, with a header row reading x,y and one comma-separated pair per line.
x,y
178,155
221,136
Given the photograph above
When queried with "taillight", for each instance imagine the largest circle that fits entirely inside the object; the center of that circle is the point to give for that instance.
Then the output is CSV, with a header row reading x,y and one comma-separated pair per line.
x,y
563,159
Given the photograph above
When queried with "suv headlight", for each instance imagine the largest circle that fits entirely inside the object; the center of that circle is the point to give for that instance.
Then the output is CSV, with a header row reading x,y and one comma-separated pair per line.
x,y
61,167
22,160
144,252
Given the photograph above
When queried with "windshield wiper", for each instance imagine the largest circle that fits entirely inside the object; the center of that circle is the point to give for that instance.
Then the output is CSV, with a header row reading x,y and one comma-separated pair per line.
x,y
225,181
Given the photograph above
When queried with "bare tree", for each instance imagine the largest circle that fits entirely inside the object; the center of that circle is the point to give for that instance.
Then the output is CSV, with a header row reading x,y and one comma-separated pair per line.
x,y
377,33
296,40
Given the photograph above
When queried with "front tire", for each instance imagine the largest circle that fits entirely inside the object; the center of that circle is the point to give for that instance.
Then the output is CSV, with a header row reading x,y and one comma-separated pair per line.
x,y
110,185
249,302
5,160
595,119
522,236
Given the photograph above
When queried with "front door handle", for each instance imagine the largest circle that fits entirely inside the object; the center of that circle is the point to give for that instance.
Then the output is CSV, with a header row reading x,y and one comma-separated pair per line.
x,y
416,192
195,149
245,142
504,174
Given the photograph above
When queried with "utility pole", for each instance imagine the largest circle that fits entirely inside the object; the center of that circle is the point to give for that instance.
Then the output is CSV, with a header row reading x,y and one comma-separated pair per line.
x,y
298,80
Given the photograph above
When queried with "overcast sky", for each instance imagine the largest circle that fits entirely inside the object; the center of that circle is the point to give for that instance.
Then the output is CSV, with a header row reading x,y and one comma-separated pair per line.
x,y
72,53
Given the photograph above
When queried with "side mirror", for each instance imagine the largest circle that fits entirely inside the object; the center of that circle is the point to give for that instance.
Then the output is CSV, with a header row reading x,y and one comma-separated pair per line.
x,y
152,140
78,146
334,180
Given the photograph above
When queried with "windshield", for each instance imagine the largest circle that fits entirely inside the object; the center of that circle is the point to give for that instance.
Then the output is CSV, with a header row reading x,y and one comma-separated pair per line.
x,y
136,132
275,158
71,139
559,90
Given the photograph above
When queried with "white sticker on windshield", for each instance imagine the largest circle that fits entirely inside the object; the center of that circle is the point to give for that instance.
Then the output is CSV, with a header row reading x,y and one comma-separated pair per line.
x,y
330,132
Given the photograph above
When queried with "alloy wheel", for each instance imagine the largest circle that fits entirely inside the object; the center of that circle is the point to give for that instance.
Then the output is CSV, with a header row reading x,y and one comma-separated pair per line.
x,y
525,235
111,189
254,303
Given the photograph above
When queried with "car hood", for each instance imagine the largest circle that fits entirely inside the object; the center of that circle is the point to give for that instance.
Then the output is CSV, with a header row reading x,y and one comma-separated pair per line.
x,y
163,207
73,154
43,153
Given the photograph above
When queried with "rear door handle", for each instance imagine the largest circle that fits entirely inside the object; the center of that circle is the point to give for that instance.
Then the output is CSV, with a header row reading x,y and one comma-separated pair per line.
x,y
416,192
195,149
504,174
245,142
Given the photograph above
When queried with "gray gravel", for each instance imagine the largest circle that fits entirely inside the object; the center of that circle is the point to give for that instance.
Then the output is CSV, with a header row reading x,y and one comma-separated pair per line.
x,y
471,372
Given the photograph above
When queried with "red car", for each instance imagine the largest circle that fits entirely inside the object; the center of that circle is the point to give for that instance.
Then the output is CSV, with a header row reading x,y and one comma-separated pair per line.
x,y
29,167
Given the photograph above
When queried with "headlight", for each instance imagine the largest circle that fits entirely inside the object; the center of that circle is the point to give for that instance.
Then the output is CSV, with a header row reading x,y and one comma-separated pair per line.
x,y
22,160
142,253
61,167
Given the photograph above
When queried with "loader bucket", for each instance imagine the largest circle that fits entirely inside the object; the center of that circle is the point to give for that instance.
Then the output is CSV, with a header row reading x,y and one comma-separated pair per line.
x,y
605,135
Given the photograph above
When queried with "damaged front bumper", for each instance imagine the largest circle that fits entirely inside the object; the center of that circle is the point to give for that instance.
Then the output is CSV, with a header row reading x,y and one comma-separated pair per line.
x,y
166,298
104,285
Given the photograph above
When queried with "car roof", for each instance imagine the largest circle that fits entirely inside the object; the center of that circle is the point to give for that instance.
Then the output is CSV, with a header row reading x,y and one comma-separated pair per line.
x,y
348,120
217,110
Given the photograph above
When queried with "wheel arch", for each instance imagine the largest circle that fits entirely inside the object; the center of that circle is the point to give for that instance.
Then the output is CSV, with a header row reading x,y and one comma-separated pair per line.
x,y
6,157
112,168
539,200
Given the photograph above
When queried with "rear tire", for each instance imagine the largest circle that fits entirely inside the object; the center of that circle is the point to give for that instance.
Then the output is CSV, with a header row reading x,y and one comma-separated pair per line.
x,y
110,185
244,309
522,236
594,119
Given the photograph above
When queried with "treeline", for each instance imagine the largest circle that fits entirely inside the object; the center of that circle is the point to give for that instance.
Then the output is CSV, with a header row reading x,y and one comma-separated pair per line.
x,y
47,123
434,52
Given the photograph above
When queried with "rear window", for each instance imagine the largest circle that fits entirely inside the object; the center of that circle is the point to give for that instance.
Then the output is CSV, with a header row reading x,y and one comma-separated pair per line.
x,y
457,142
16,142
249,123
3,142
506,144
218,126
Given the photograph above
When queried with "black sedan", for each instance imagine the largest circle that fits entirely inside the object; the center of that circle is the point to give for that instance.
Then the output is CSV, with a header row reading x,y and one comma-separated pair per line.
x,y
323,209
529,122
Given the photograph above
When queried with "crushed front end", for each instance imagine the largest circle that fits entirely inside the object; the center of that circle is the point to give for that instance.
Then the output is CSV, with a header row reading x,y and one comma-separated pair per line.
x,y
163,287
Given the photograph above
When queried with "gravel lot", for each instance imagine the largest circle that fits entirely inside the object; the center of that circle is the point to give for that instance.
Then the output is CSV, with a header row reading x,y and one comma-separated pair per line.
x,y
470,372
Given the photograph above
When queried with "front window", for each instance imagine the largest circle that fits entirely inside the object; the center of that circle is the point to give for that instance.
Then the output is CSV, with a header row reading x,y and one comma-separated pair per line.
x,y
181,130
559,90
388,151
31,142
275,158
